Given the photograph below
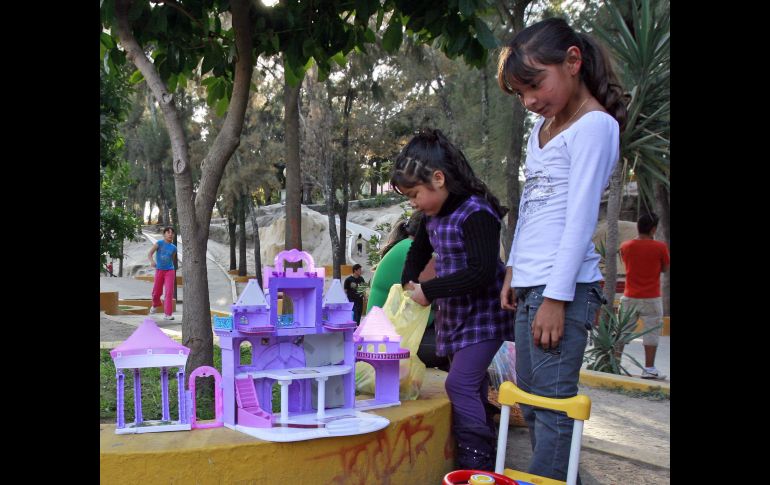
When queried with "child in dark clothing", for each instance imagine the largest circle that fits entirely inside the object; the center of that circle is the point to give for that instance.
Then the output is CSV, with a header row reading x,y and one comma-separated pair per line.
x,y
462,226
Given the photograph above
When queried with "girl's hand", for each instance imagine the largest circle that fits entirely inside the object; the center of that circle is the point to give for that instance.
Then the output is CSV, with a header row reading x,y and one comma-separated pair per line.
x,y
548,326
417,294
508,299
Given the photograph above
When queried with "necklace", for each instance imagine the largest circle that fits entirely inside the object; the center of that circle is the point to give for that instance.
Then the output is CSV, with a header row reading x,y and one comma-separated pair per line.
x,y
550,124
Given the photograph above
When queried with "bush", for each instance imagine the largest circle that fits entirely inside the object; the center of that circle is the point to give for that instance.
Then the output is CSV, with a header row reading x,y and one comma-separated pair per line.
x,y
610,337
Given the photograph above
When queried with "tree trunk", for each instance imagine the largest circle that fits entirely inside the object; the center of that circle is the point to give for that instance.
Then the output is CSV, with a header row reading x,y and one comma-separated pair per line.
x,y
375,180
195,206
330,206
611,245
120,263
253,212
512,166
163,210
293,175
231,226
318,122
307,192
444,98
176,263
514,15
349,97
159,205
242,266
487,170
664,234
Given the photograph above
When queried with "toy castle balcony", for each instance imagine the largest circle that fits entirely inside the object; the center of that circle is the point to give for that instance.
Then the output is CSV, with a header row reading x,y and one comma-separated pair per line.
x,y
337,310
302,286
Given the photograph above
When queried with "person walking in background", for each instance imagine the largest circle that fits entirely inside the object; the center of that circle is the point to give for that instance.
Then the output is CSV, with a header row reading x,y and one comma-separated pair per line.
x,y
645,259
360,244
165,274
352,283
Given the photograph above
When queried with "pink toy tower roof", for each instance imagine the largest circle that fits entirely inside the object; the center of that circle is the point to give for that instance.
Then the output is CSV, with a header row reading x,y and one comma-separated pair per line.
x,y
375,327
148,346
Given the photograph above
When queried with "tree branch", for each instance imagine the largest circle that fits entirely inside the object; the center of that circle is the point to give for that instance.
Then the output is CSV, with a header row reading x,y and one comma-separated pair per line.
x,y
503,8
175,5
135,54
229,136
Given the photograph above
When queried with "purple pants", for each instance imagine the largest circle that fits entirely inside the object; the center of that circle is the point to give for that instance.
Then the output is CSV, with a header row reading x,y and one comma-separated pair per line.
x,y
466,386
165,279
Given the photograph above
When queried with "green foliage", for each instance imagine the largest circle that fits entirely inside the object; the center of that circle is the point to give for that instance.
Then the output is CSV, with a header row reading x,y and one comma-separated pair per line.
x,y
373,251
615,330
379,200
363,288
116,223
114,102
640,40
383,228
187,34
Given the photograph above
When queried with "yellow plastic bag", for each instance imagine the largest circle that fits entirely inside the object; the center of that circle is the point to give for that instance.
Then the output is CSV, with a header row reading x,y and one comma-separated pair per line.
x,y
409,319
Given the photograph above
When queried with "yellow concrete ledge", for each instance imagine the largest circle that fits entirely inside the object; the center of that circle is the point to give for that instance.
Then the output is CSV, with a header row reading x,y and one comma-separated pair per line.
x,y
603,379
244,279
108,302
345,270
151,279
414,448
133,309
142,303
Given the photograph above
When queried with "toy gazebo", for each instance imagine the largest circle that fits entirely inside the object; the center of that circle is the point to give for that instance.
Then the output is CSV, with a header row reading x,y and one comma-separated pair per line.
x,y
308,351
148,346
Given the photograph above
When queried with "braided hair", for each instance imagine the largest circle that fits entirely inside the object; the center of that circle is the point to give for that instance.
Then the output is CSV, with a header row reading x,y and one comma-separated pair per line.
x,y
430,150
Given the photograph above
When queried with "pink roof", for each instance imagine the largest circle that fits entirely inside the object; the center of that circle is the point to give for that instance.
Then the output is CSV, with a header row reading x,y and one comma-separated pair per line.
x,y
375,326
149,337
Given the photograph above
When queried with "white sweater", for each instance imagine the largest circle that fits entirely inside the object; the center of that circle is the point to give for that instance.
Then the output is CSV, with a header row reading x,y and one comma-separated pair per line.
x,y
560,206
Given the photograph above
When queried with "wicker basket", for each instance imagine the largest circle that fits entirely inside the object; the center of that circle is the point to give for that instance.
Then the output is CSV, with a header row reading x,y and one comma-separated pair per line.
x,y
516,419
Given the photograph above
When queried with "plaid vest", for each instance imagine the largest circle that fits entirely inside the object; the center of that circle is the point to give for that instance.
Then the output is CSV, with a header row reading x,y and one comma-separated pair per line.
x,y
466,319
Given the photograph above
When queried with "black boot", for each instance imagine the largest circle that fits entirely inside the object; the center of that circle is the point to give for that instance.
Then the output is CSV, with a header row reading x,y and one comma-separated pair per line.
x,y
475,449
474,459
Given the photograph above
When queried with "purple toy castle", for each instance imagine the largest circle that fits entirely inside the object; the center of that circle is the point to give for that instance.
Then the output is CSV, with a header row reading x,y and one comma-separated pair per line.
x,y
308,351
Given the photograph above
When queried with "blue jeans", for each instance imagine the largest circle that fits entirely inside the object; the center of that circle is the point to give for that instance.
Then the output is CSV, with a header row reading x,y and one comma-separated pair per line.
x,y
552,373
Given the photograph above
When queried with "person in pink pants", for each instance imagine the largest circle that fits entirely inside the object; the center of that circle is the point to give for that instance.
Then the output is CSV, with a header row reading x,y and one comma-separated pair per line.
x,y
165,274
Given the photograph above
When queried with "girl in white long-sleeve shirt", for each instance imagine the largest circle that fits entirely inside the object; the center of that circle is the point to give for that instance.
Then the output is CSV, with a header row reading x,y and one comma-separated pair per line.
x,y
552,273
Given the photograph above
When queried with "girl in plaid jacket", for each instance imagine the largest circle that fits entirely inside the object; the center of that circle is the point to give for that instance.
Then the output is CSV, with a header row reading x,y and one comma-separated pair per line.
x,y
461,224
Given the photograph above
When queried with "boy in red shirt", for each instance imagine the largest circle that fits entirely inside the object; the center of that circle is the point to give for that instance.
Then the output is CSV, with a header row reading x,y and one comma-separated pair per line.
x,y
645,259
